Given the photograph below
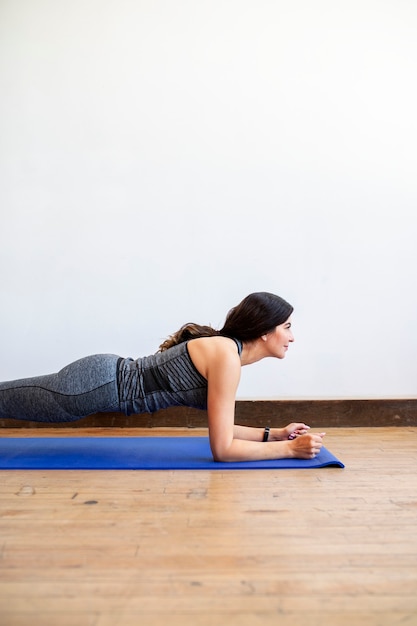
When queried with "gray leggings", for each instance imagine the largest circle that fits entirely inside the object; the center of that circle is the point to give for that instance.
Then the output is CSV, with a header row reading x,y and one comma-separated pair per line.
x,y
79,389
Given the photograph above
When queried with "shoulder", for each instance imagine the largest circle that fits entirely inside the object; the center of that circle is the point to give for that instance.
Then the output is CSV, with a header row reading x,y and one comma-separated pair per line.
x,y
214,353
218,346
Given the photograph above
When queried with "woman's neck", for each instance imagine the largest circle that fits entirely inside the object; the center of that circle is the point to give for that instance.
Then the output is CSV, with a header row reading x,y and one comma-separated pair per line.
x,y
253,351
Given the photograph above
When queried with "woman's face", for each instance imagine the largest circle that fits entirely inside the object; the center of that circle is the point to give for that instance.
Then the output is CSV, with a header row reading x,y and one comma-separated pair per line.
x,y
279,339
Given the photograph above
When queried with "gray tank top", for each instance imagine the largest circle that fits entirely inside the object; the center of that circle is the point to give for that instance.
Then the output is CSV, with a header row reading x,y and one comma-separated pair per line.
x,y
161,380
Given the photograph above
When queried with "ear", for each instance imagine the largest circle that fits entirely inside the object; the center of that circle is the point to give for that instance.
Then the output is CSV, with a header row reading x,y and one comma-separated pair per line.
x,y
264,337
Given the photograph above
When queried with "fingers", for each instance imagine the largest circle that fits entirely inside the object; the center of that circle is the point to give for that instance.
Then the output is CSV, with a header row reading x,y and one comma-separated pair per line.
x,y
301,428
317,443
308,446
297,430
297,433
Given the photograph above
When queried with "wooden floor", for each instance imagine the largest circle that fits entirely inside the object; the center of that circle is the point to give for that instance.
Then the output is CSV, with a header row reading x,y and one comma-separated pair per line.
x,y
237,548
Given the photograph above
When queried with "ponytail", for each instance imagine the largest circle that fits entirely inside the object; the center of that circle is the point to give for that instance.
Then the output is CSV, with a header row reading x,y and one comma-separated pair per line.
x,y
186,332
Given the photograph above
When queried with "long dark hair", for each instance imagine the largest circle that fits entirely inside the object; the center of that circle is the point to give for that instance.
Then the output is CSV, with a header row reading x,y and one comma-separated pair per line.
x,y
258,314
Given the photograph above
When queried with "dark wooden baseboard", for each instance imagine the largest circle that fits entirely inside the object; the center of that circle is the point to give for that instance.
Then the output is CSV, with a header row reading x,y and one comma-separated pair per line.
x,y
317,413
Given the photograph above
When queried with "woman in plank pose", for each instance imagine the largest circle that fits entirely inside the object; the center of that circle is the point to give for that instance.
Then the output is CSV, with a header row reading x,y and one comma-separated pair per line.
x,y
197,366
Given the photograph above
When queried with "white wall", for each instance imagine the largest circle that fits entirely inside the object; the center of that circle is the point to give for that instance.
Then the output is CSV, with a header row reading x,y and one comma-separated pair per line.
x,y
161,159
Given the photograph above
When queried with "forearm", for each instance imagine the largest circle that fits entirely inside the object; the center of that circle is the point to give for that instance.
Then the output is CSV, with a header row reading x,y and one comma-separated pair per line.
x,y
250,450
256,434
305,446
248,433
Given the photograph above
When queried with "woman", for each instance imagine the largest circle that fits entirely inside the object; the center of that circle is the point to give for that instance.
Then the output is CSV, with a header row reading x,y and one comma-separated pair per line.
x,y
197,366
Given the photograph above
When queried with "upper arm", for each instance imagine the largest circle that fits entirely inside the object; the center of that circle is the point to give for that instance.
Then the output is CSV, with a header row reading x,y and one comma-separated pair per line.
x,y
223,375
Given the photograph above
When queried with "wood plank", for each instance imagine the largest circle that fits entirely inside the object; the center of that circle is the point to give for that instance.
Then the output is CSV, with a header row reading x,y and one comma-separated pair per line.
x,y
326,546
212,619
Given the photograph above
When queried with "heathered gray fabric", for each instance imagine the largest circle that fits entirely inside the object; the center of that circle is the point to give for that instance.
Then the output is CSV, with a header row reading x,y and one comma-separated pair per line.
x,y
162,380
86,386
107,383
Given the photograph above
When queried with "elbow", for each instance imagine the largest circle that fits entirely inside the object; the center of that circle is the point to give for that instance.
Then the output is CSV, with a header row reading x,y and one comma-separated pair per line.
x,y
219,458
222,454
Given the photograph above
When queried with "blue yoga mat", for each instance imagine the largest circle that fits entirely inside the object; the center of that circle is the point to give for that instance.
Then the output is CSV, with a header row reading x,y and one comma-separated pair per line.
x,y
138,453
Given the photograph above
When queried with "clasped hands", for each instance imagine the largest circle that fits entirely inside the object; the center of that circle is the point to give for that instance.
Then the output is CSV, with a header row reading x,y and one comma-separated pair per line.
x,y
301,443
